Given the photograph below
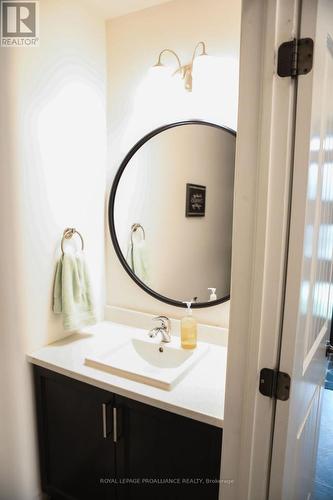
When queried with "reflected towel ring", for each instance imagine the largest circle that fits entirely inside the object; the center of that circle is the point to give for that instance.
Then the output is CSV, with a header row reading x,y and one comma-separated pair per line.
x,y
134,228
68,234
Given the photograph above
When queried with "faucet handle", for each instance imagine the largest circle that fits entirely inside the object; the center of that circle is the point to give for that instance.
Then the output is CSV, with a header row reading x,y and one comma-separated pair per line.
x,y
164,322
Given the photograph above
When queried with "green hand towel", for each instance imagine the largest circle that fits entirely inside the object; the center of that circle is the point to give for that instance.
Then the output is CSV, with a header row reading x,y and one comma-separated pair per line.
x,y
72,292
137,259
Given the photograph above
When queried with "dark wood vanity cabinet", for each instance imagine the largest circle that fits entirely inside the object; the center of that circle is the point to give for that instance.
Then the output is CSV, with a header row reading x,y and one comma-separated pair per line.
x,y
74,455
97,445
174,457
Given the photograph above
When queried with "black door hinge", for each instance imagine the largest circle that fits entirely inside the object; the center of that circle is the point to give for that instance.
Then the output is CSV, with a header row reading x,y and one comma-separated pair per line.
x,y
295,57
274,384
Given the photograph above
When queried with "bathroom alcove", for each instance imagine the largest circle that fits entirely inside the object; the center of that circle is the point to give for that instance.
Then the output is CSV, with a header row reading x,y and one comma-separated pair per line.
x,y
55,161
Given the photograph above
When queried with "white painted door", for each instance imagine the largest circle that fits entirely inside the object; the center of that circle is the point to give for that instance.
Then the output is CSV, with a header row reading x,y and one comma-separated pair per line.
x,y
308,305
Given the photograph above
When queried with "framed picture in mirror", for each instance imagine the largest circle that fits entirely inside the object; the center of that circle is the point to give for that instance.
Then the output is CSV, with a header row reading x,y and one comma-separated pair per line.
x,y
195,200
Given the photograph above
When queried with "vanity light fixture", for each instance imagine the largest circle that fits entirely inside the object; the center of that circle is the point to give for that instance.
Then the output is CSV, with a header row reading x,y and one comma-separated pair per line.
x,y
186,69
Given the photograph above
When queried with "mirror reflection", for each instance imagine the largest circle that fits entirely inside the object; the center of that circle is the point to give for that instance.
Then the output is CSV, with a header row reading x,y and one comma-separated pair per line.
x,y
171,212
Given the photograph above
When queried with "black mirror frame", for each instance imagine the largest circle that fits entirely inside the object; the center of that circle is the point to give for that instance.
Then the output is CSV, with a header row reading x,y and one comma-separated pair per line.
x,y
112,227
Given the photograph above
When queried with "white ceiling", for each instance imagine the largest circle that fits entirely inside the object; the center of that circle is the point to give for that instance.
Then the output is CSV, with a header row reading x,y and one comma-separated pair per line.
x,y
116,8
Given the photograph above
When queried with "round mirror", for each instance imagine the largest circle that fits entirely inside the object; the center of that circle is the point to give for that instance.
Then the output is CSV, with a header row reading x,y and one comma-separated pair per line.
x,y
170,212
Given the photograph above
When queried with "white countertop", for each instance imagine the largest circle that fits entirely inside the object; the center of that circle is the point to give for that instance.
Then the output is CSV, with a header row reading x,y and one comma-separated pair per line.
x,y
199,395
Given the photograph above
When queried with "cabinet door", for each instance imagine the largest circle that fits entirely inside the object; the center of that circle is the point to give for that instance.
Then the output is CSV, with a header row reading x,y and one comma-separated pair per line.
x,y
75,437
155,447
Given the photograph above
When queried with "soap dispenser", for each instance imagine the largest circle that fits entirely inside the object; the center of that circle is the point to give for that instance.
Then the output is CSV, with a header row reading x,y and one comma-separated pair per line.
x,y
188,329
212,294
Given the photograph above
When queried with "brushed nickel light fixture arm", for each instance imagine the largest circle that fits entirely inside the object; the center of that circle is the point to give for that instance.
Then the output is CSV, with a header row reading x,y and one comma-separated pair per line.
x,y
159,61
204,53
188,69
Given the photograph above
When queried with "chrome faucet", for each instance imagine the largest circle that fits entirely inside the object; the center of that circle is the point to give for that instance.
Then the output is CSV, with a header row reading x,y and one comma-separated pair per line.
x,y
164,328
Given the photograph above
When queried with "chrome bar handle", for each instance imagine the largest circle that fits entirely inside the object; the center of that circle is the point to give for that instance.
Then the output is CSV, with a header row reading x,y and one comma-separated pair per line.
x,y
115,433
105,420
105,434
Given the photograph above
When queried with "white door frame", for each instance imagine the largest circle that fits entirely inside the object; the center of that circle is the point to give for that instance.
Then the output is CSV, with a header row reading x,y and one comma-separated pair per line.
x,y
261,222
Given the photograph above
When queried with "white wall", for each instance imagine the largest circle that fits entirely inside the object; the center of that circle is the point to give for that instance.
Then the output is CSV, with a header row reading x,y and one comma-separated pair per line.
x,y
52,146
185,255
138,104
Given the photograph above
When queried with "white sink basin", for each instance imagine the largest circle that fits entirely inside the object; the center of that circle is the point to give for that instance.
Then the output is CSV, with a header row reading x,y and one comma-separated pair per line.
x,y
142,361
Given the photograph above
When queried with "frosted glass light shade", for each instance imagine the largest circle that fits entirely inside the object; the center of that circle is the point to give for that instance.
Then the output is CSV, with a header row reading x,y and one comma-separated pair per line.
x,y
215,88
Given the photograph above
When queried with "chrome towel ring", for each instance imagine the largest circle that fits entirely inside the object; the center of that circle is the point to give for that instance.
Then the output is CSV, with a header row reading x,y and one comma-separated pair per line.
x,y
68,234
134,228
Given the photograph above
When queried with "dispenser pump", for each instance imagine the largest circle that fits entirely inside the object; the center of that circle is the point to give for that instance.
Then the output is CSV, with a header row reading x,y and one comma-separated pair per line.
x,y
212,294
188,305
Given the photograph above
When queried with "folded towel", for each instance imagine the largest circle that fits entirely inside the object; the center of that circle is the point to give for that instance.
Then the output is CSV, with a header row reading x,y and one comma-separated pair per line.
x,y
137,259
72,292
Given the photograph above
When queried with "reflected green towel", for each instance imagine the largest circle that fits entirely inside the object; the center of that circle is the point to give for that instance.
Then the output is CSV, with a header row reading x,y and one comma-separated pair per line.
x,y
72,292
137,259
